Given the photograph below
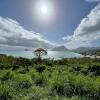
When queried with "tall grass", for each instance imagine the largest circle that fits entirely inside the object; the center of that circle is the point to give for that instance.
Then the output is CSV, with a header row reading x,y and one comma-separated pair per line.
x,y
66,79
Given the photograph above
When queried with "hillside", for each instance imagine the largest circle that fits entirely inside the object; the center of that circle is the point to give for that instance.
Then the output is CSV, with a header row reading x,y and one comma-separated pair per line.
x,y
88,51
60,48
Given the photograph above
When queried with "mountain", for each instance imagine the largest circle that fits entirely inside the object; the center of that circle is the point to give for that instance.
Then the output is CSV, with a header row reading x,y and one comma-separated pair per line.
x,y
87,50
60,48
81,49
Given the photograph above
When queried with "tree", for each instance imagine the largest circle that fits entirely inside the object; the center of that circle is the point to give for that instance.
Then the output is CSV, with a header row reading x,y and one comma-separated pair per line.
x,y
40,52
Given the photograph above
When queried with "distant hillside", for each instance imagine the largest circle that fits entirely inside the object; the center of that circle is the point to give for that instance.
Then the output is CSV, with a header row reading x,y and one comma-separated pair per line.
x,y
81,49
88,51
60,48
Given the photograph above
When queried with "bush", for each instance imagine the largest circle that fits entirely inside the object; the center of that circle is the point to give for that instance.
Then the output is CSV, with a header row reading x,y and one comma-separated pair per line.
x,y
6,76
66,79
40,69
24,84
94,69
40,81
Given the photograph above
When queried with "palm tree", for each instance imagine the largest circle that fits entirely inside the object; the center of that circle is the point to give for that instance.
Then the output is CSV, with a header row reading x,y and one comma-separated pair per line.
x,y
40,52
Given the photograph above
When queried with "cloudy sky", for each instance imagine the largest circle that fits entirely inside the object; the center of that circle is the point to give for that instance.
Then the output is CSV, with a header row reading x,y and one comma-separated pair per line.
x,y
47,23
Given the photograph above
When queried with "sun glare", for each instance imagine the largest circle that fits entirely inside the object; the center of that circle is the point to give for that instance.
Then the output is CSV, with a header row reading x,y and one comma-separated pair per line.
x,y
44,9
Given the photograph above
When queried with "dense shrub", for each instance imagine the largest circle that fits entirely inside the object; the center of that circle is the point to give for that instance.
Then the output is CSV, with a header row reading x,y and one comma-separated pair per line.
x,y
40,69
40,80
6,76
65,79
94,69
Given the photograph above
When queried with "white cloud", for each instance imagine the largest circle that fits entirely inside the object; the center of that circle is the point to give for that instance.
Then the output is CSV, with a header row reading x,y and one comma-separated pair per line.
x,y
13,34
67,38
92,0
88,31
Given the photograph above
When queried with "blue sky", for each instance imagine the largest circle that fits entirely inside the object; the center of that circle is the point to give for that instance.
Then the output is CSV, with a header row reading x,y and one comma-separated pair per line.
x,y
60,29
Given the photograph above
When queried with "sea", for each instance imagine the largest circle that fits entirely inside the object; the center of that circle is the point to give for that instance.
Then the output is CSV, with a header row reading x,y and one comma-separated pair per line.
x,y
50,54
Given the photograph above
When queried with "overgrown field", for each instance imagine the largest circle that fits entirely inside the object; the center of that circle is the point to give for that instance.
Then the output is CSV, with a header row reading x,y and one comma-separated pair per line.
x,y
66,79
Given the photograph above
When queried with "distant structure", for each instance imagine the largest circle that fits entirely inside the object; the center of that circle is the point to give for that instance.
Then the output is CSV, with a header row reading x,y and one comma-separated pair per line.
x,y
40,52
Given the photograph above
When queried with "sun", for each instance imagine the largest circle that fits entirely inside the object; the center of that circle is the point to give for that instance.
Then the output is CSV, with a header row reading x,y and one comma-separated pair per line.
x,y
44,9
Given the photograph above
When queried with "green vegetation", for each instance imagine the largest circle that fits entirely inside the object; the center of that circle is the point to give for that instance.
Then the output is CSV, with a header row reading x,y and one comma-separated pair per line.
x,y
39,53
66,79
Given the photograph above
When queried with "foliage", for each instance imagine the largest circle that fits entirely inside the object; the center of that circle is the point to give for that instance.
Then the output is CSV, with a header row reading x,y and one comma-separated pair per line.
x,y
65,79
40,52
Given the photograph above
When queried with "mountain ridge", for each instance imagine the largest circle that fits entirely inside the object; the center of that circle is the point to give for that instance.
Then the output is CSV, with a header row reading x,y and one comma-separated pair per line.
x,y
60,48
87,50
